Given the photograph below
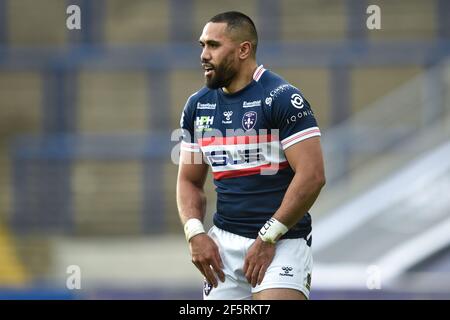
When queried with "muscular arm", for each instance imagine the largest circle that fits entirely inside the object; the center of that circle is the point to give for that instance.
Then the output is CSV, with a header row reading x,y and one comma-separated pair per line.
x,y
306,160
191,199
191,202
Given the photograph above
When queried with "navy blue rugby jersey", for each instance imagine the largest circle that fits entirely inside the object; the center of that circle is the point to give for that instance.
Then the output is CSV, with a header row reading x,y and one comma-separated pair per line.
x,y
243,137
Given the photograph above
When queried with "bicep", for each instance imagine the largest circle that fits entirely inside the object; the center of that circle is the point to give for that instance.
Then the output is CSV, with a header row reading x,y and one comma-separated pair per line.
x,y
306,156
192,168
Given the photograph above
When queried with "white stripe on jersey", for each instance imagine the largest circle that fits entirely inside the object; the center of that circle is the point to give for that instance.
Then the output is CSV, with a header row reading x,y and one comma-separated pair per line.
x,y
258,72
300,136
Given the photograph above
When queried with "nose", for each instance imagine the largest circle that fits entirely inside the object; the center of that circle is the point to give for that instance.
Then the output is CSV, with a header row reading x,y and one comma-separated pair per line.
x,y
205,55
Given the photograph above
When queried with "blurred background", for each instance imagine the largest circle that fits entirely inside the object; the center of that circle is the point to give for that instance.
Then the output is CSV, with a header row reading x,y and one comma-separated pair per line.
x,y
86,116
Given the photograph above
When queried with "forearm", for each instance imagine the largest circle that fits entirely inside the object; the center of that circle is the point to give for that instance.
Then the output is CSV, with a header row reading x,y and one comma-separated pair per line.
x,y
191,201
299,198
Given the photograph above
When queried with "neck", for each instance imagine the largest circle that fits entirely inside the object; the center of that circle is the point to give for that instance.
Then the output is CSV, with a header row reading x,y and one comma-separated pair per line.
x,y
243,77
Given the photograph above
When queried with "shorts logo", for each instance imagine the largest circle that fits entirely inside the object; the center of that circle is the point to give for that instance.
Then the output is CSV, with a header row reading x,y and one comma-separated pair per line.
x,y
249,120
287,271
207,287
297,101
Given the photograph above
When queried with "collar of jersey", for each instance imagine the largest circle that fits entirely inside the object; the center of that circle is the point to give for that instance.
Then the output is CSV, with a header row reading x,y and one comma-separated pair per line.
x,y
237,94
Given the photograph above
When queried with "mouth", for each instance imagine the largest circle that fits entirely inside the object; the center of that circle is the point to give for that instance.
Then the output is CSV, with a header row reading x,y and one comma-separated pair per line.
x,y
208,69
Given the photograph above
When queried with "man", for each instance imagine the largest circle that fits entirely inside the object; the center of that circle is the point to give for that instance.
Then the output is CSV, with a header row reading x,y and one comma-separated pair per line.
x,y
260,244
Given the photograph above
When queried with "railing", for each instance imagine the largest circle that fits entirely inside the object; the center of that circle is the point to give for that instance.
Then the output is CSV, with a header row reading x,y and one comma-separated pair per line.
x,y
381,127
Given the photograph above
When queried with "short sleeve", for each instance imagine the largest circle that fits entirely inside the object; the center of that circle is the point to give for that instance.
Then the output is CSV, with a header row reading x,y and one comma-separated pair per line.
x,y
292,115
188,142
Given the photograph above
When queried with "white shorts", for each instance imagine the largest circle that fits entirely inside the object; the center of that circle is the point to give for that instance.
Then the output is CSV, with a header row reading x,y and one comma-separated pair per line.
x,y
291,267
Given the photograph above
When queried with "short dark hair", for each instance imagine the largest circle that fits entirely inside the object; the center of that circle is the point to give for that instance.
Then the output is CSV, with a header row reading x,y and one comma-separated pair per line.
x,y
240,22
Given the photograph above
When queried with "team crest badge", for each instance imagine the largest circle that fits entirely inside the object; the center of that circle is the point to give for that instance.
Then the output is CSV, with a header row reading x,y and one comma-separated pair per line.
x,y
249,120
207,287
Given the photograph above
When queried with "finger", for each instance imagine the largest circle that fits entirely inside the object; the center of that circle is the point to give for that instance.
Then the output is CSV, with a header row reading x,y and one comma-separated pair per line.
x,y
246,265
248,274
255,275
221,266
262,273
217,264
217,269
210,275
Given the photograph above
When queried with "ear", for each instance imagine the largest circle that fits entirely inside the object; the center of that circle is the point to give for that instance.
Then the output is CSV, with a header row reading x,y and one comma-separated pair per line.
x,y
245,50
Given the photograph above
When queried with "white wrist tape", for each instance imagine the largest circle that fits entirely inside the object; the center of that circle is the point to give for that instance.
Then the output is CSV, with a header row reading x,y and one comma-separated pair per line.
x,y
193,227
272,230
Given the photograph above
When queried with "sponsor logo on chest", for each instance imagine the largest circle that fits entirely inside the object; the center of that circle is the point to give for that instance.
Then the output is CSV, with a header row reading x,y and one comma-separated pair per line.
x,y
204,123
251,104
219,158
206,106
227,115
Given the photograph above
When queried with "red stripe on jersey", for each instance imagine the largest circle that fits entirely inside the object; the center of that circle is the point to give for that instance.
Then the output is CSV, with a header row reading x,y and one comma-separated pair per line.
x,y
247,172
221,141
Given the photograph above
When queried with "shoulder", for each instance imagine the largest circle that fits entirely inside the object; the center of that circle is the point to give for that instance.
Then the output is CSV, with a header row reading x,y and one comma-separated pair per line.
x,y
196,97
278,91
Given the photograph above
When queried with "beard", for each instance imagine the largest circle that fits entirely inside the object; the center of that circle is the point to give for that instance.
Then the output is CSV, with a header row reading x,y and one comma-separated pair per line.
x,y
222,76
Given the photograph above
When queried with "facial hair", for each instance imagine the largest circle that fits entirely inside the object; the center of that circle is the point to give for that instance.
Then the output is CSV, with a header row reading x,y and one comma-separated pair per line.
x,y
224,74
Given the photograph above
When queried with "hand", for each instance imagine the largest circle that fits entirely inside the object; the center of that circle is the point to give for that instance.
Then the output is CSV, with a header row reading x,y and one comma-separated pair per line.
x,y
257,260
205,254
